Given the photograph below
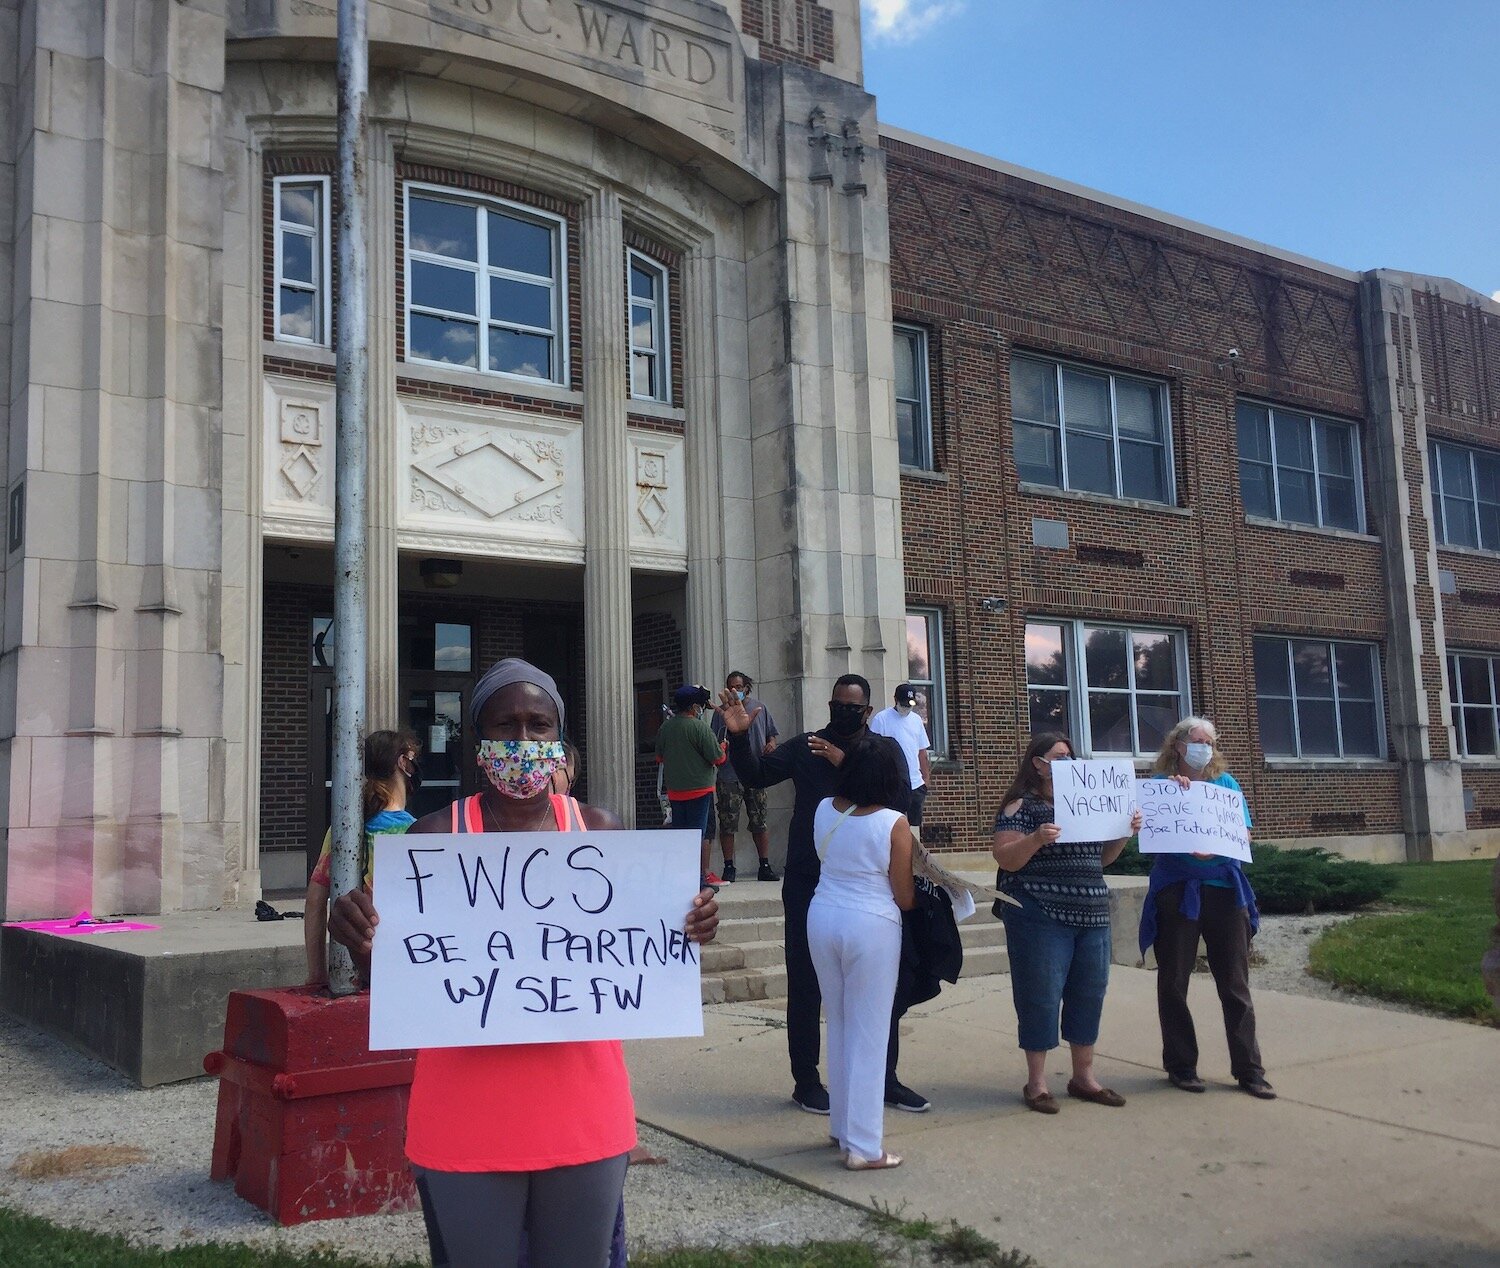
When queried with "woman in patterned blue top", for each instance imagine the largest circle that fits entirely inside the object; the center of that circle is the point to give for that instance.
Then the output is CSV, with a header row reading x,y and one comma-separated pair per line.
x,y
1059,937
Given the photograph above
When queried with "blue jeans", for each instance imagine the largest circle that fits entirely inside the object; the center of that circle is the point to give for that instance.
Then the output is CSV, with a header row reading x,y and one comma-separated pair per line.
x,y
692,813
1055,965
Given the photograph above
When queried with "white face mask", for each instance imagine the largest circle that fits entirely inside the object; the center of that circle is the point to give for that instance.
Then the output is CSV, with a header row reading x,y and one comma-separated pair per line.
x,y
904,709
1199,755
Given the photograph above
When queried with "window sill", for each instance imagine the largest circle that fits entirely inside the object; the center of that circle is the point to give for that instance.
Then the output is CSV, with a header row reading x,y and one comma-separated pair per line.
x,y
479,382
1485,761
922,473
1290,526
1473,552
655,409
946,766
1075,495
1330,763
309,353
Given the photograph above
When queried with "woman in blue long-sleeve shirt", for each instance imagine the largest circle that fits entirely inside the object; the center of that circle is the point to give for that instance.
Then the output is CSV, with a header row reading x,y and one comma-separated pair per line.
x,y
1207,895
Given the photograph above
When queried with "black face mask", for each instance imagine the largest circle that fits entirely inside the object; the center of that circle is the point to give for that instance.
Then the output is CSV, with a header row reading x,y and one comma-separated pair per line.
x,y
845,719
414,777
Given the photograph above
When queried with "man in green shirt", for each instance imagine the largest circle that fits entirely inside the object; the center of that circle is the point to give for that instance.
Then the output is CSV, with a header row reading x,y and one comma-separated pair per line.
x,y
689,755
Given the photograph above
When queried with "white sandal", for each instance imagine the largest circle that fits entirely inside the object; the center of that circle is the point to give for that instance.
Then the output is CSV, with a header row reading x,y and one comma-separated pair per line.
x,y
883,1163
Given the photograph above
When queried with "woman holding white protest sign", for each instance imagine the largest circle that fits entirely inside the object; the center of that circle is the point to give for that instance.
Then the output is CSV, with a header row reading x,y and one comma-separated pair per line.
x,y
524,1138
1057,933
1207,896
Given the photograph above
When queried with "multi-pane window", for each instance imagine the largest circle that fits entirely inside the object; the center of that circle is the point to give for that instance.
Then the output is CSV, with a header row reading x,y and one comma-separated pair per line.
x,y
1474,693
485,285
1318,698
1299,468
301,285
924,671
1113,689
650,360
1466,495
1089,430
913,398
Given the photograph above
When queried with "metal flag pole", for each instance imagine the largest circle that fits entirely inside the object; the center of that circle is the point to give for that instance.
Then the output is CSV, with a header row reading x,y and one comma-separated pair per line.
x,y
352,375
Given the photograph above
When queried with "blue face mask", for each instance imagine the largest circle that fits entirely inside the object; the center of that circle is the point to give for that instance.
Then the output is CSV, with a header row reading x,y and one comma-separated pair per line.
x,y
739,695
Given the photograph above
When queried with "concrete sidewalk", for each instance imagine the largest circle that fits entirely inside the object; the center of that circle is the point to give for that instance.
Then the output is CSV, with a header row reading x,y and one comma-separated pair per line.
x,y
1384,1148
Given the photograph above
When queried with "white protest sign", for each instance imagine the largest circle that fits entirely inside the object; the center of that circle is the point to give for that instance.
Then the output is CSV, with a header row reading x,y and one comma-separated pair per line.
x,y
1093,800
533,937
1199,819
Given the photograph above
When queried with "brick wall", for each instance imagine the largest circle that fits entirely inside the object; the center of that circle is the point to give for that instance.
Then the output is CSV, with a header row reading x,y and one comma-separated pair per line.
x,y
286,633
988,264
799,32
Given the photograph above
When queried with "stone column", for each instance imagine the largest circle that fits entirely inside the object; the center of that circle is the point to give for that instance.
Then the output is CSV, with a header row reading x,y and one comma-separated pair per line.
x,y
608,657
386,462
1421,736
704,638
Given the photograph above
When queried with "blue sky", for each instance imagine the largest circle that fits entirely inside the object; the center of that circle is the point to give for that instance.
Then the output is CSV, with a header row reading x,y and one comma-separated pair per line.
x,y
1361,132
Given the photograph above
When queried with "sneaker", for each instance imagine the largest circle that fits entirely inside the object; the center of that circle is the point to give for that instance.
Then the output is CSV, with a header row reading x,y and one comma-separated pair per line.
x,y
899,1096
812,1099
765,873
729,873
1189,1082
1258,1088
711,879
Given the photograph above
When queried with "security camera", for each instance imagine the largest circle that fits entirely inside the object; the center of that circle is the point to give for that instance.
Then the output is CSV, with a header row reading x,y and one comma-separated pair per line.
x,y
1233,354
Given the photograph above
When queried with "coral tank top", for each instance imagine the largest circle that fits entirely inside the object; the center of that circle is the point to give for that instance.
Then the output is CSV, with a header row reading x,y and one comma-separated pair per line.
x,y
519,1107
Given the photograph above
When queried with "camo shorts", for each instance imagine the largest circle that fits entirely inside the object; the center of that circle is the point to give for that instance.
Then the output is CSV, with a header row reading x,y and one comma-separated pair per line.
x,y
731,797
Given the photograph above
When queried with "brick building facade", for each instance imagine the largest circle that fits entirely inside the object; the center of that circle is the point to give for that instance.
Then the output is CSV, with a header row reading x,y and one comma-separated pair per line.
x,y
995,271
679,361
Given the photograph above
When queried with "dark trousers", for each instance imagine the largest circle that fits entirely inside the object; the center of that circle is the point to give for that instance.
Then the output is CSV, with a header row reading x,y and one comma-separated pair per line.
x,y
1225,929
804,999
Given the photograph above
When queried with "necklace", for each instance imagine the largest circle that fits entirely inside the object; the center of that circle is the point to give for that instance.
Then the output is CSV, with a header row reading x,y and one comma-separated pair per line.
x,y
543,820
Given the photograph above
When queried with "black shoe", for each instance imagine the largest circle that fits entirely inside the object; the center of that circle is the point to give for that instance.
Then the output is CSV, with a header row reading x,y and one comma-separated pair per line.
x,y
899,1096
1258,1088
765,873
813,1099
728,873
1187,1082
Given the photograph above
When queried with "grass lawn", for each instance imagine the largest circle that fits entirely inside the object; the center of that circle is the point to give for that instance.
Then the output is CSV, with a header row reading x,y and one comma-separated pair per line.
x,y
1426,955
28,1242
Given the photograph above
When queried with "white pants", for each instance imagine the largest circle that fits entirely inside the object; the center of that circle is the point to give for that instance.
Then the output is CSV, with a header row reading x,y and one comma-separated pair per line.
x,y
857,956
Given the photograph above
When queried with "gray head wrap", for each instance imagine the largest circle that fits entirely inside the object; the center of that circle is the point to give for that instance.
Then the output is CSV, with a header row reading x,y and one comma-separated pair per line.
x,y
512,670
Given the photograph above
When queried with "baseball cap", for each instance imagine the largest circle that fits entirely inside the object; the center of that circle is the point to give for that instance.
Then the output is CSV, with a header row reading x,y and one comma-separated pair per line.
x,y
906,694
690,694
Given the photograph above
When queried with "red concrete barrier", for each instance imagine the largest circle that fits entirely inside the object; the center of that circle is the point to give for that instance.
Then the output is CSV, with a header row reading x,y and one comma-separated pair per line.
x,y
311,1124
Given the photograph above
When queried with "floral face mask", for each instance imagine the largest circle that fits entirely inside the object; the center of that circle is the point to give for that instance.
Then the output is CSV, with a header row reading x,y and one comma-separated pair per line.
x,y
521,768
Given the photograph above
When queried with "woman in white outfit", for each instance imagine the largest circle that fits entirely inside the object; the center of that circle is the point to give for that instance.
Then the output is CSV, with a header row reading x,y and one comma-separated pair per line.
x,y
854,933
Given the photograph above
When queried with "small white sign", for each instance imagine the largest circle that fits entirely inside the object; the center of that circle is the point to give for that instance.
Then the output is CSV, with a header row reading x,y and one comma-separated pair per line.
x,y
533,937
1093,800
1202,818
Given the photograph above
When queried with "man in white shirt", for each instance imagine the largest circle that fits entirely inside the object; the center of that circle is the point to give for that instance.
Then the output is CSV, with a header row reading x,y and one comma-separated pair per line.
x,y
904,725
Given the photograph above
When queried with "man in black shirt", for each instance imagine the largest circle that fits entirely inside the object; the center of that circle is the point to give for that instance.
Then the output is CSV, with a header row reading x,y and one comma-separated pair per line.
x,y
811,762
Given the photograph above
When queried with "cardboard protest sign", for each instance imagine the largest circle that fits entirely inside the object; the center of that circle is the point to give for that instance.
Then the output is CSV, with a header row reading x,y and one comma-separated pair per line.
x,y
533,937
1199,819
1093,800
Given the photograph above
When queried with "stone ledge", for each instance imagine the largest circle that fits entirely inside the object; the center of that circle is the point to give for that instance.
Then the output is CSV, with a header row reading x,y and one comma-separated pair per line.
x,y
148,1004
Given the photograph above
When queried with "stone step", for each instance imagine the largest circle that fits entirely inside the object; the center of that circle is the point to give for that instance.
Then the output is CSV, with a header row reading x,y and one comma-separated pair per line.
x,y
755,969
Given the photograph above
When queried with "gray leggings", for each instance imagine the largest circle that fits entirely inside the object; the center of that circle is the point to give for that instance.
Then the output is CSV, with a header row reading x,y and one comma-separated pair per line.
x,y
476,1219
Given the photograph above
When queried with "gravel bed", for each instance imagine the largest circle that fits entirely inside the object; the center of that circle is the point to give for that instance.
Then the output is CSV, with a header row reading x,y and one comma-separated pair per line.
x,y
53,1098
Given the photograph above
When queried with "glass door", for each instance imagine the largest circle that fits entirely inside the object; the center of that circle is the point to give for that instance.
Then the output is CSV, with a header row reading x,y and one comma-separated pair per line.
x,y
439,716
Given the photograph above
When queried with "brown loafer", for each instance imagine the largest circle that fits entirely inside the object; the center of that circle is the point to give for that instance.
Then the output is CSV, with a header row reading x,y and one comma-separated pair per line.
x,y
1042,1104
1099,1096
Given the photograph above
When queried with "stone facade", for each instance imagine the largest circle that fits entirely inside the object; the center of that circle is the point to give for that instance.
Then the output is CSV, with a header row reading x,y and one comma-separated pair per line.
x,y
166,222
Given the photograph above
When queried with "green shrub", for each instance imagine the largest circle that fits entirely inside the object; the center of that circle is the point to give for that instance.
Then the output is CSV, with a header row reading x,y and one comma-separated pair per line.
x,y
1295,881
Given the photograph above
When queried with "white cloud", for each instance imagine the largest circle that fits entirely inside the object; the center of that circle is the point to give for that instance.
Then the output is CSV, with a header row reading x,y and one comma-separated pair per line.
x,y
901,21
1496,297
